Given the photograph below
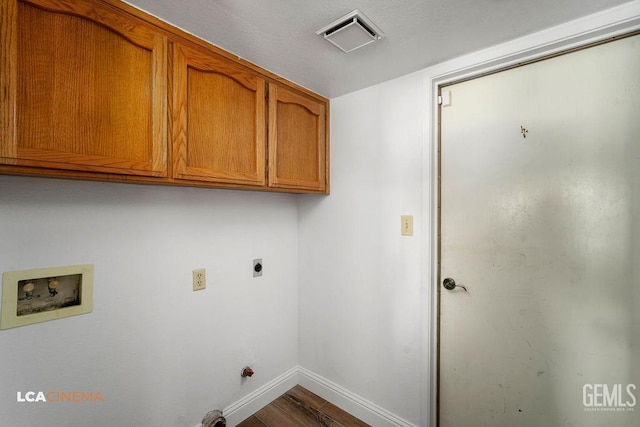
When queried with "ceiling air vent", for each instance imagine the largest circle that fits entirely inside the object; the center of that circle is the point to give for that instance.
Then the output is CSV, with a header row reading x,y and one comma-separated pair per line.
x,y
350,32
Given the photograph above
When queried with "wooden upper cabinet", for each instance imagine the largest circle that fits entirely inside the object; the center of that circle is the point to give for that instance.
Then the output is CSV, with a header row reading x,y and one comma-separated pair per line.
x,y
83,87
219,122
98,89
298,149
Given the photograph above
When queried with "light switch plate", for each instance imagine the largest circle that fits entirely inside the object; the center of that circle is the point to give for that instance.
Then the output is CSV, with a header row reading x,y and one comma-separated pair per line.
x,y
406,225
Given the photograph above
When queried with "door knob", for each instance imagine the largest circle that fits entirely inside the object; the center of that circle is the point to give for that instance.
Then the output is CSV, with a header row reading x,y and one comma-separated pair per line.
x,y
450,284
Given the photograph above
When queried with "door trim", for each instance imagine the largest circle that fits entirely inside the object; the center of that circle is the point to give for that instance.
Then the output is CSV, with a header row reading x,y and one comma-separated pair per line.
x,y
601,27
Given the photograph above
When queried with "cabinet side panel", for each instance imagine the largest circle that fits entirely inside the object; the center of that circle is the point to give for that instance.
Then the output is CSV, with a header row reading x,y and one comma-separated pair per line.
x,y
8,43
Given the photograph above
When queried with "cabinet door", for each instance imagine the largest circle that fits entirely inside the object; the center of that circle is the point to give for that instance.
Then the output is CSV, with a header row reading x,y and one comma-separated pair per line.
x,y
297,142
219,122
83,88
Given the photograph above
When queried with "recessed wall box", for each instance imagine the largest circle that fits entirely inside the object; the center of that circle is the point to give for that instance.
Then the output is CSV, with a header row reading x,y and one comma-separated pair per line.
x,y
32,296
351,32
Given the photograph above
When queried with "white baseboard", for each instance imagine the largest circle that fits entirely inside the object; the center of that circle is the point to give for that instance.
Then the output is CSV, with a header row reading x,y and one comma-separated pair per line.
x,y
357,406
256,400
350,402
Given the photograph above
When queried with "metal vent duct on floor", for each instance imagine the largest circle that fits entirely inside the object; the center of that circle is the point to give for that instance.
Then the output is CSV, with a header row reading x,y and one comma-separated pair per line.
x,y
352,31
214,419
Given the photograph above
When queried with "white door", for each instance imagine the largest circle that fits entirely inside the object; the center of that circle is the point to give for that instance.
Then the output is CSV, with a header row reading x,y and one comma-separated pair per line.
x,y
540,221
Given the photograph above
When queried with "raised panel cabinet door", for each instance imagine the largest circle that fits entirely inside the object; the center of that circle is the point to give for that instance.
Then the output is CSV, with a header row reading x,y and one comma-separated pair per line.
x,y
219,123
297,141
83,87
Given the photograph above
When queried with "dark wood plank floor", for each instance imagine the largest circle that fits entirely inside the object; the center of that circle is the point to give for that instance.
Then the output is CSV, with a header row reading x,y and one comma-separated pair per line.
x,y
300,407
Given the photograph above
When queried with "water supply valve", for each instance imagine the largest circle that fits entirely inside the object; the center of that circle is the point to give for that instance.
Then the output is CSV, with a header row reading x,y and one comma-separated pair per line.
x,y
246,372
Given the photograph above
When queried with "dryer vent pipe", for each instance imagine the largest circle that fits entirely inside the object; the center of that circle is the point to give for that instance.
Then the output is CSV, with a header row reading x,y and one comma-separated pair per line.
x,y
214,419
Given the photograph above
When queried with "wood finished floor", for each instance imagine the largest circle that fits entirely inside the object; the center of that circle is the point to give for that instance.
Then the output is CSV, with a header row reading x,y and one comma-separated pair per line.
x,y
300,407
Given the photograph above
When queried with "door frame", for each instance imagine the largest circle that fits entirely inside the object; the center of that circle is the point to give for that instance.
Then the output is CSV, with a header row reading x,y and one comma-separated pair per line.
x,y
601,27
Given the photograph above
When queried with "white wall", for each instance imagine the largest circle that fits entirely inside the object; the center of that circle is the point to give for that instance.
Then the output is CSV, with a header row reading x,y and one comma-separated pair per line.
x,y
362,312
359,278
160,353
361,319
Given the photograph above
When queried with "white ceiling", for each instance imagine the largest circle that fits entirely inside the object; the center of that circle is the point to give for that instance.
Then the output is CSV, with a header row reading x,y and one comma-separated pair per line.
x,y
279,35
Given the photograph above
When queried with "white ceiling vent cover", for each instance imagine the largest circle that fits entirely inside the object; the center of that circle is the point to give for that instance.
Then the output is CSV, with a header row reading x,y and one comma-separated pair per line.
x,y
352,31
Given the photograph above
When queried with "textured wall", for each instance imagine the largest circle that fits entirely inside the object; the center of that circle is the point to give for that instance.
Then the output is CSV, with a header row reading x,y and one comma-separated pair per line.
x,y
359,278
159,353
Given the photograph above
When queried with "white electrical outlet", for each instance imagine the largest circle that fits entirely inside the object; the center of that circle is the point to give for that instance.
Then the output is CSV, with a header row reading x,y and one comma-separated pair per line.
x,y
199,279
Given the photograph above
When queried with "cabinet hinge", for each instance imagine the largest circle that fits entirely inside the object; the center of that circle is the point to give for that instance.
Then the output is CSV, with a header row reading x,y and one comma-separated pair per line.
x,y
439,99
